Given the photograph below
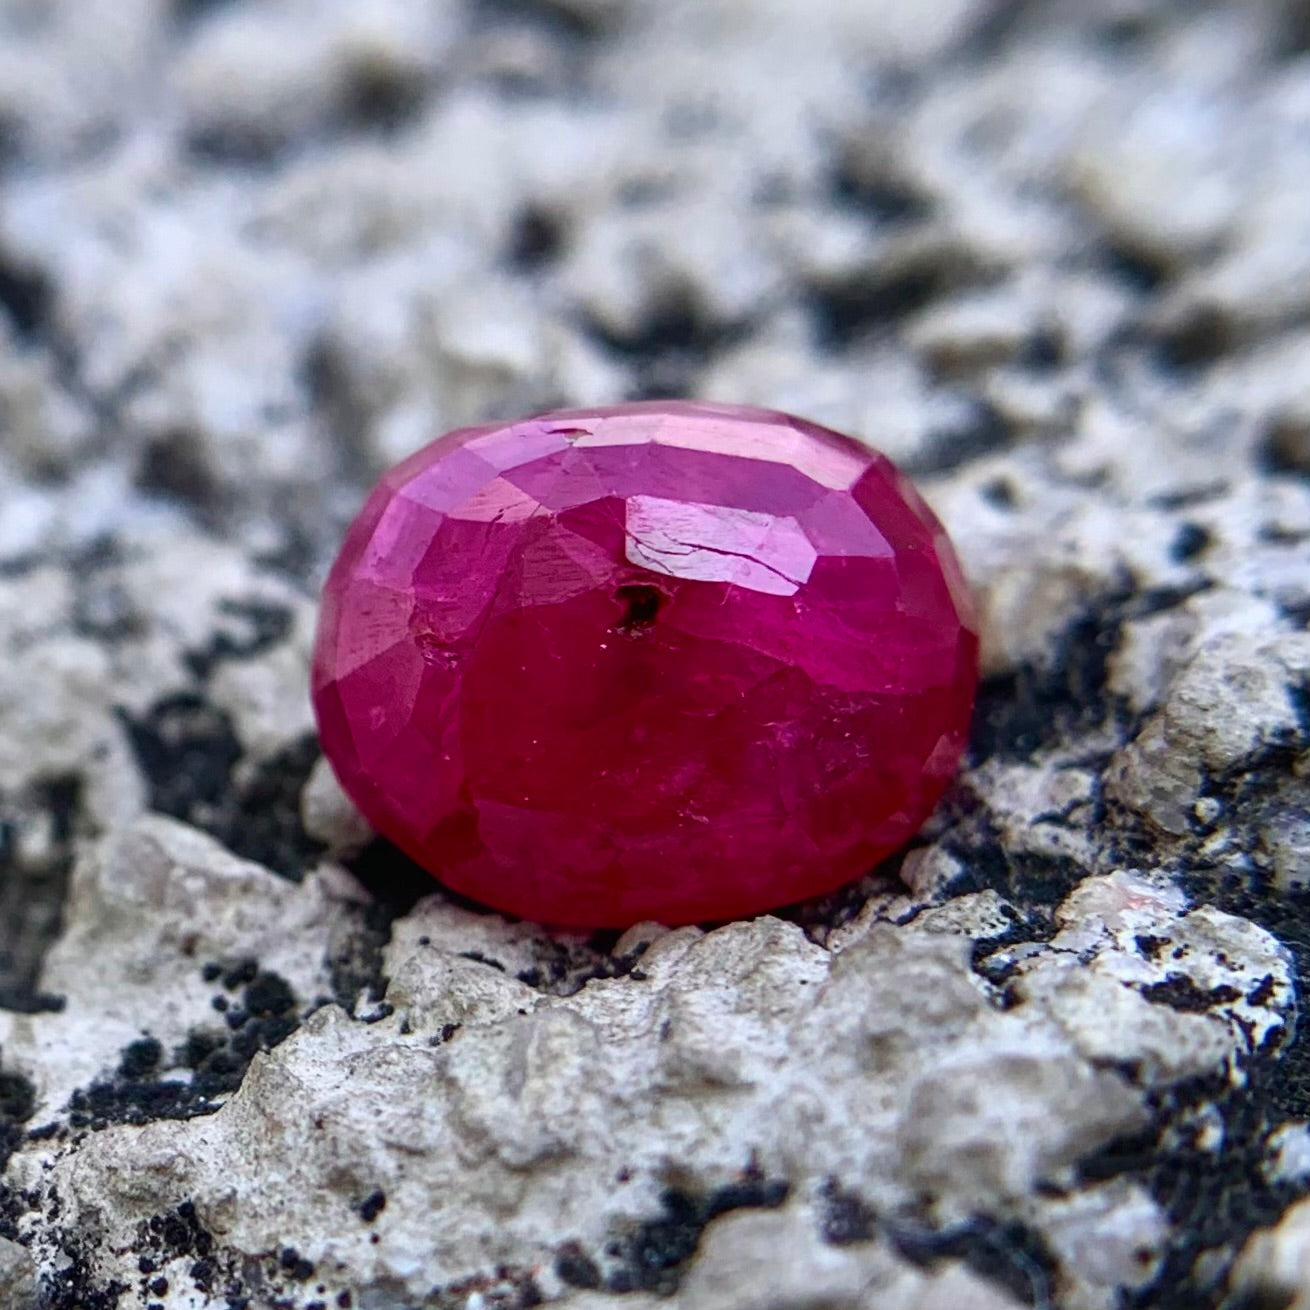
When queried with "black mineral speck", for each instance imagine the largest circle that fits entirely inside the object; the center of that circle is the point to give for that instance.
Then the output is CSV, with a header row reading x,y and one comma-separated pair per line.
x,y
32,889
660,1246
479,958
1000,493
653,1255
268,994
134,1095
17,1102
187,749
140,1058
395,885
266,626
1151,946
845,1219
26,297
175,464
576,1268
372,1205
536,238
1007,1253
1181,993
1018,713
240,973
1191,541
294,1265
752,1192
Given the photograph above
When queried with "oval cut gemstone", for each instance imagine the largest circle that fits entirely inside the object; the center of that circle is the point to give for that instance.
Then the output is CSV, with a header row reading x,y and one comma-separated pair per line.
x,y
670,661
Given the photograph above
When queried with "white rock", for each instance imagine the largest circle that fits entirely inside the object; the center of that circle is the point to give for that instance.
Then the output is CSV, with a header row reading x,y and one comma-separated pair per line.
x,y
18,1288
1106,1239
1232,699
328,813
149,908
282,243
1158,175
1275,1262
1289,1153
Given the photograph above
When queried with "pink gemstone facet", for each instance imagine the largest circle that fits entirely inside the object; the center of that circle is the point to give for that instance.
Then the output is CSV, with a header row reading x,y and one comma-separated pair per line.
x,y
664,661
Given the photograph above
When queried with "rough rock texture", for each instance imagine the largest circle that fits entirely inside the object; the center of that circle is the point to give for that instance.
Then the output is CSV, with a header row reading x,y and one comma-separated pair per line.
x,y
1054,257
17,1277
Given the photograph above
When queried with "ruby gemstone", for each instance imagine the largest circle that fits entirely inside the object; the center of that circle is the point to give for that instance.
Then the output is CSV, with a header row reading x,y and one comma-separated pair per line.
x,y
666,661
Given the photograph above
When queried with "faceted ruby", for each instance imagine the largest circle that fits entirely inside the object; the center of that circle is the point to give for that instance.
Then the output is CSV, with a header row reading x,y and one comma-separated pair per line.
x,y
664,661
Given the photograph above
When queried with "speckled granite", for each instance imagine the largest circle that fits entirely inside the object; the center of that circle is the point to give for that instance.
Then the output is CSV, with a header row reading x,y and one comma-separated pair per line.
x,y
1053,257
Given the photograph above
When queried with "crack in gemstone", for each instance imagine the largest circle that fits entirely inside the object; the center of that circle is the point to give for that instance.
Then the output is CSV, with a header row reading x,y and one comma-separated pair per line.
x,y
693,548
657,531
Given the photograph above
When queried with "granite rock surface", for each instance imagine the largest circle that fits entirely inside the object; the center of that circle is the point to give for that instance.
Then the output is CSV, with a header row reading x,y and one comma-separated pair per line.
x,y
1052,257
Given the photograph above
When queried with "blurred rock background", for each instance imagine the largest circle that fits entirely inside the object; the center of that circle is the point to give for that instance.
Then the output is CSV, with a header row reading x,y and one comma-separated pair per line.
x,y
1052,255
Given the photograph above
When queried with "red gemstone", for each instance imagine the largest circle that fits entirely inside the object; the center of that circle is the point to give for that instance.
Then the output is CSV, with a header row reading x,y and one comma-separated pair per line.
x,y
664,661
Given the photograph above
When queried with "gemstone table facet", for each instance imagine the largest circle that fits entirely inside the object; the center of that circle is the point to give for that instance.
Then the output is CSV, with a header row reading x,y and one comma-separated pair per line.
x,y
670,661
